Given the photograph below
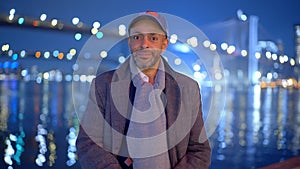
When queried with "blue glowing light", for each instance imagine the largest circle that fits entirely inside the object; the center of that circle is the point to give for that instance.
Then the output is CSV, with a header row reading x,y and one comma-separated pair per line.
x,y
55,53
15,56
184,48
14,65
21,21
6,65
99,35
78,36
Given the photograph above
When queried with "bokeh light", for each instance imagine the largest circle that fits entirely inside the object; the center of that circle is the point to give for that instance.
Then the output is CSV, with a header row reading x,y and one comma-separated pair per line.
x,y
103,54
96,25
21,20
75,20
206,43
38,54
78,36
54,22
173,38
43,17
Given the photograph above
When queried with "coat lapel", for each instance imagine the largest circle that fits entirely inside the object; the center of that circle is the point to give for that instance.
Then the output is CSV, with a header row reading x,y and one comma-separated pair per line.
x,y
173,95
119,105
172,92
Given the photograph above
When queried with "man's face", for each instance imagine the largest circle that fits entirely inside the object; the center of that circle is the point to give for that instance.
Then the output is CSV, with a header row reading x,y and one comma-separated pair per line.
x,y
146,42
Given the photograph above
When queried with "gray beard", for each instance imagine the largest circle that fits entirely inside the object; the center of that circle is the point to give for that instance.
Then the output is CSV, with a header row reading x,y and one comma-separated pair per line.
x,y
145,66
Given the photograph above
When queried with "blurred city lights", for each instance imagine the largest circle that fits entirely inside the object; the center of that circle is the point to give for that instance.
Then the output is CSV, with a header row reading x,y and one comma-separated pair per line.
x,y
35,23
292,62
72,147
38,54
230,49
218,76
78,36
96,25
122,30
193,41
269,76
22,53
285,58
11,17
75,20
244,53
196,67
173,38
46,54
257,55
274,56
257,74
122,59
60,56
281,59
206,43
15,56
99,35
46,75
21,20
43,17
213,47
94,30
224,46
55,53
69,56
54,22
10,52
5,47
73,51
177,61
269,49
12,11
182,48
103,54
268,55
241,15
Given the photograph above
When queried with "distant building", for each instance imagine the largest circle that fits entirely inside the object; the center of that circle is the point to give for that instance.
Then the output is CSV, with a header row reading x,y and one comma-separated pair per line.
x,y
297,49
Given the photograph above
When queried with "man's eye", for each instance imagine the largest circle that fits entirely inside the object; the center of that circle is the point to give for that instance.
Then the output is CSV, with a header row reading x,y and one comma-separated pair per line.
x,y
136,37
154,38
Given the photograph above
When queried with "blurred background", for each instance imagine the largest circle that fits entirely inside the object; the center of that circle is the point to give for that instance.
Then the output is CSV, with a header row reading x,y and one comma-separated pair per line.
x,y
255,71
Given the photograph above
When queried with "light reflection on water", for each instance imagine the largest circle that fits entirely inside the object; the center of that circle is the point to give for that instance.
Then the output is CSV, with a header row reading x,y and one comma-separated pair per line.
x,y
38,126
259,127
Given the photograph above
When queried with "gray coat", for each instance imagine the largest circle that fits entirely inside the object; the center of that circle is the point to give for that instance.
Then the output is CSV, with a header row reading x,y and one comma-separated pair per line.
x,y
102,126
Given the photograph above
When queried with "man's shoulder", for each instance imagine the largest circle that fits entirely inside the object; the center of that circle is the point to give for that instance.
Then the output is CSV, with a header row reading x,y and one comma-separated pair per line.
x,y
105,76
108,73
179,77
183,78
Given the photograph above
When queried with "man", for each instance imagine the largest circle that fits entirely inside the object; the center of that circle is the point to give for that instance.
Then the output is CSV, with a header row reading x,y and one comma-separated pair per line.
x,y
144,115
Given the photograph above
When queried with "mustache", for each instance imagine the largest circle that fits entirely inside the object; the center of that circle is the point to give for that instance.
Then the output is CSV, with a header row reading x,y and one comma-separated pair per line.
x,y
145,50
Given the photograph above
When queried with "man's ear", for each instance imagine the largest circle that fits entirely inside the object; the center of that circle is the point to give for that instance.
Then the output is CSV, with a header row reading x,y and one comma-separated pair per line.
x,y
165,44
128,40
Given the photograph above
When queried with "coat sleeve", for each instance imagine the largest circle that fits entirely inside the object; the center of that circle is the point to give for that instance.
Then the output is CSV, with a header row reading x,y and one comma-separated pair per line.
x,y
198,152
90,151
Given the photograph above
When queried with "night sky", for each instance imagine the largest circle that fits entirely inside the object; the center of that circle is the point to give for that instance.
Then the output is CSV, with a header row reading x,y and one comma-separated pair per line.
x,y
278,17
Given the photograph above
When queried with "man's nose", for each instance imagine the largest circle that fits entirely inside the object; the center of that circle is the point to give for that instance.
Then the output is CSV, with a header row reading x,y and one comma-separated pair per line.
x,y
145,42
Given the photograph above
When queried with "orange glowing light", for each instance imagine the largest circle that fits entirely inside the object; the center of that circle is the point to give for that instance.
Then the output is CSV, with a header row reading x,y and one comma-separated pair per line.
x,y
60,56
35,23
38,54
